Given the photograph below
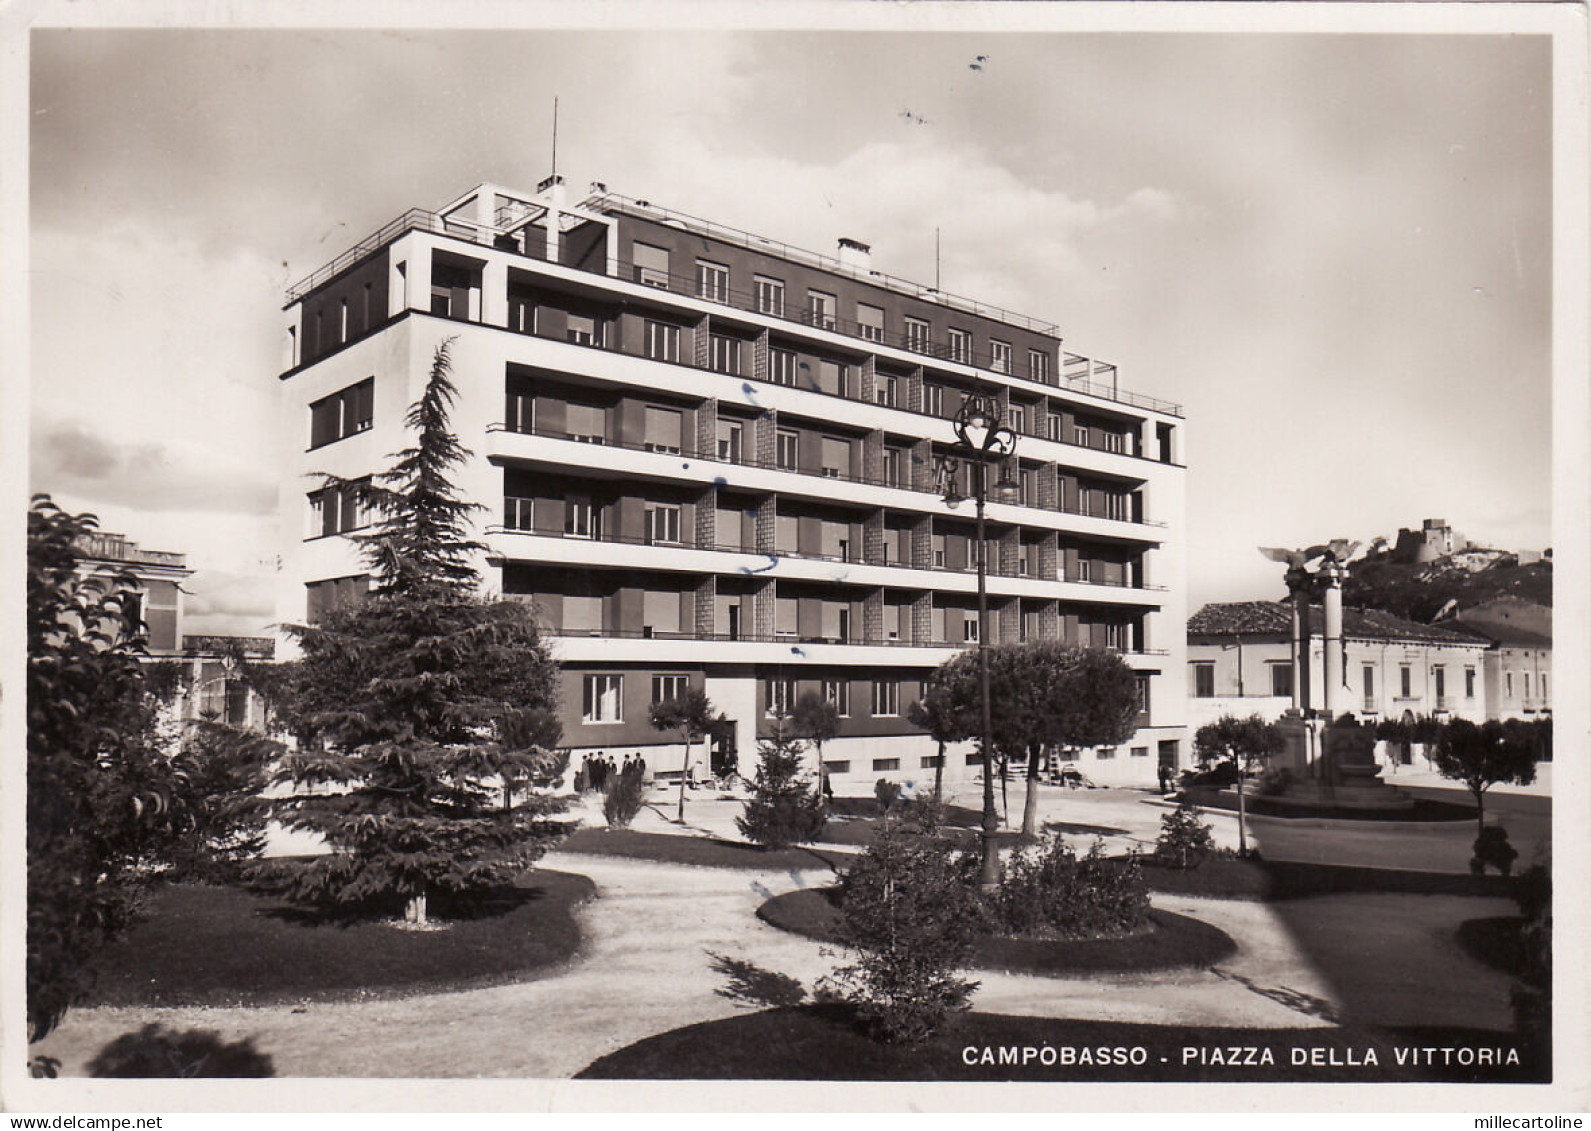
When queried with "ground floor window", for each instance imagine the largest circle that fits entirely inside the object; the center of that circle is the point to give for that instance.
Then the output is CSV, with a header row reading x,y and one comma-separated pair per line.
x,y
885,764
666,688
602,699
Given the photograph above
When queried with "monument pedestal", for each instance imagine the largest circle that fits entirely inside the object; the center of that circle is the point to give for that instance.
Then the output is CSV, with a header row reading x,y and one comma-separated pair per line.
x,y
1333,767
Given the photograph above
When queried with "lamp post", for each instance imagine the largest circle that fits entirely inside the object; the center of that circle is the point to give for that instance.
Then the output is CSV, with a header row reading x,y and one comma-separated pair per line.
x,y
981,437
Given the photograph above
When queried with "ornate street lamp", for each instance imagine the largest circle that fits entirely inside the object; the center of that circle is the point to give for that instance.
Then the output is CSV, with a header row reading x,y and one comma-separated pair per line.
x,y
981,437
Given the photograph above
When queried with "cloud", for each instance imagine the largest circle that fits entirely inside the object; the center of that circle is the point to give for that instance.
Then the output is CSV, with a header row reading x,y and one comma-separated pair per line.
x,y
182,476
214,594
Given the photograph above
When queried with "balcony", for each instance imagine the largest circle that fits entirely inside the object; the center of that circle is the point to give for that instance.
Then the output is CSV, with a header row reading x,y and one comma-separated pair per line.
x,y
712,455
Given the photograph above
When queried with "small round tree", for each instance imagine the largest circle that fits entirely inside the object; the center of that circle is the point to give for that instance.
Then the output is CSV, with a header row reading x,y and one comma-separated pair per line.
x,y
1481,757
816,720
692,716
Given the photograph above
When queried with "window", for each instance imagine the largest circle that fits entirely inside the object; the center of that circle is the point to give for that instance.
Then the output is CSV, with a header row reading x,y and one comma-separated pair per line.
x,y
1469,683
834,377
664,430
1039,366
1405,681
1055,428
724,354
662,341
892,467
342,414
1203,680
961,346
838,692
886,390
929,761
517,513
999,356
1281,679
1116,637
841,767
782,366
581,518
602,699
1508,684
323,596
582,330
1080,436
1138,752
969,629
662,523
785,450
880,764
939,551
870,322
820,309
521,312
337,510
1369,681
934,395
917,335
784,614
712,281
1019,419
886,697
730,441
451,288
342,321
668,688
651,265
1105,753
836,458
1144,683
770,295
1113,442
1526,684
1439,677
780,695
585,423
1544,692
1085,570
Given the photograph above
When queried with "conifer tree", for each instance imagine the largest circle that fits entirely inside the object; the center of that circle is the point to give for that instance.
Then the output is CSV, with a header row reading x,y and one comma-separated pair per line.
x,y
420,708
783,809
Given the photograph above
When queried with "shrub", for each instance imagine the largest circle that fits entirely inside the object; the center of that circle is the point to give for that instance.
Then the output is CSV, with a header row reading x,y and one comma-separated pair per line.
x,y
621,800
1051,893
1532,998
1184,839
1492,848
911,918
1273,781
886,793
783,810
1220,776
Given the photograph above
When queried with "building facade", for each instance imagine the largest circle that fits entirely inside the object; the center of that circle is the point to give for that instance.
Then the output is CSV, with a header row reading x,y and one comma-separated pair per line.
x,y
1518,665
1239,663
714,461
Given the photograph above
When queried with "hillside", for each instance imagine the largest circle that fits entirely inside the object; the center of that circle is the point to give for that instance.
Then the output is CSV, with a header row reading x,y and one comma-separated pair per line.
x,y
1419,591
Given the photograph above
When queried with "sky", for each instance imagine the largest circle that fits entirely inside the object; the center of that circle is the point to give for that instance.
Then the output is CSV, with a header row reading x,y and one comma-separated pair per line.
x,y
1333,250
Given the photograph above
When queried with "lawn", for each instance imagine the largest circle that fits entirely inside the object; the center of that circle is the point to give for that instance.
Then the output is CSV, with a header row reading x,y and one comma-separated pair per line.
x,y
823,1042
220,946
1173,941
1496,942
708,852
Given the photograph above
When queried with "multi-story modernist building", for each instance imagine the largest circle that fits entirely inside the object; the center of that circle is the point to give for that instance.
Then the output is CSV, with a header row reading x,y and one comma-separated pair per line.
x,y
711,460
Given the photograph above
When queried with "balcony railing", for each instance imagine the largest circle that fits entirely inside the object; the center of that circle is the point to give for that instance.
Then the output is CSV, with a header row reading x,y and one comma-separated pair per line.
x,y
513,524
846,474
421,220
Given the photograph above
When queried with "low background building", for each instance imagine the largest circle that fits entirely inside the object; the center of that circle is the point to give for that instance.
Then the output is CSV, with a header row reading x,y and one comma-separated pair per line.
x,y
1239,663
1518,665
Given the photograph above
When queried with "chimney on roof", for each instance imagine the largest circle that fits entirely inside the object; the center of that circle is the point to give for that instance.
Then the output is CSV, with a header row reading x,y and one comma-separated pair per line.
x,y
855,254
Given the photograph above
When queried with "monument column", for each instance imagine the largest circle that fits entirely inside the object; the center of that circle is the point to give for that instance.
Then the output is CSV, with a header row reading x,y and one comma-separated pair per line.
x,y
1298,588
1331,573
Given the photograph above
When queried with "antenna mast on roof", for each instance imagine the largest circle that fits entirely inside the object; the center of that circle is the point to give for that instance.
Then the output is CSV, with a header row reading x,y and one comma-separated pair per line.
x,y
936,259
555,135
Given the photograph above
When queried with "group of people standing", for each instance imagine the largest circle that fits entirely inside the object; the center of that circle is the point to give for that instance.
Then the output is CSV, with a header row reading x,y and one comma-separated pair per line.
x,y
597,771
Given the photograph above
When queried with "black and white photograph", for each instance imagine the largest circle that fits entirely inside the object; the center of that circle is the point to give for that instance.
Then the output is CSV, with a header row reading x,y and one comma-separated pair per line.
x,y
582,560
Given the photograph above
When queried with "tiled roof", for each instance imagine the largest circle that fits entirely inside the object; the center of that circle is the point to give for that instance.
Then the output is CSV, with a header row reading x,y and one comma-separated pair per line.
x,y
1510,635
1231,618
